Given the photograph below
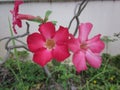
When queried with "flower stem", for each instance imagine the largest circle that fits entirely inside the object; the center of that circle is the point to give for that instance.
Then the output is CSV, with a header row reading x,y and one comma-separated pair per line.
x,y
16,56
47,71
15,50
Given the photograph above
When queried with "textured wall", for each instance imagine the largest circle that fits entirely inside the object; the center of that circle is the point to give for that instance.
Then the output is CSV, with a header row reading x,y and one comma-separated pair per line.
x,y
105,16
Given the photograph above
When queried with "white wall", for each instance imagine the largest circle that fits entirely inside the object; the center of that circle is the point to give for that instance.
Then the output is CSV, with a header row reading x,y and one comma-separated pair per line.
x,y
105,16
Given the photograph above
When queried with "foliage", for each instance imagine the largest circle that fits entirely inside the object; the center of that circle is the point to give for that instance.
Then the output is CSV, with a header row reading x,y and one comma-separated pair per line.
x,y
22,55
18,75
34,78
31,74
108,39
115,61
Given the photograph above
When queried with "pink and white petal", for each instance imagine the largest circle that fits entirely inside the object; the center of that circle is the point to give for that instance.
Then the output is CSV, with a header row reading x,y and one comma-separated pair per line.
x,y
94,39
79,61
35,41
47,30
60,52
93,59
84,30
95,44
42,57
74,45
61,35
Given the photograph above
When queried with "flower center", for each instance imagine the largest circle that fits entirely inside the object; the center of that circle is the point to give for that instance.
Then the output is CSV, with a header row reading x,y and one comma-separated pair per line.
x,y
50,43
83,46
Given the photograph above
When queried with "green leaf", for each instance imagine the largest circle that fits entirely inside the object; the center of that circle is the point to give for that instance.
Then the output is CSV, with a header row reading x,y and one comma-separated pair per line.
x,y
54,22
55,63
47,14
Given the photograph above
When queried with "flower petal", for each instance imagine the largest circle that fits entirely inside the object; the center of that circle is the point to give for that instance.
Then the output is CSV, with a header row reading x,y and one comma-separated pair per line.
x,y
95,44
93,59
62,31
60,53
25,17
42,57
16,7
84,30
18,22
74,45
35,41
79,61
47,30
15,13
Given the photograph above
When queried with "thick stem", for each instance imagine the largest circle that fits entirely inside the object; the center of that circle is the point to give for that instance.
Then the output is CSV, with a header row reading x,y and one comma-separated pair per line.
x,y
47,72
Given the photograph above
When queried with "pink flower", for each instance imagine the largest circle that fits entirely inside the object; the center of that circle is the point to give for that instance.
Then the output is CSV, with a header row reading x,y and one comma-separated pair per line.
x,y
49,44
15,14
18,17
86,50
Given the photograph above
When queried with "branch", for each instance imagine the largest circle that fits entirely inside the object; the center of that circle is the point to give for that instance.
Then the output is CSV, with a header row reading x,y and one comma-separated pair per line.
x,y
4,38
18,46
18,36
21,42
77,13
9,48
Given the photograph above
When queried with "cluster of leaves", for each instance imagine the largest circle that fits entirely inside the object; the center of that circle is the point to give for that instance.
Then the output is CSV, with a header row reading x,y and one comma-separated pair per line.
x,y
31,74
34,78
112,60
22,55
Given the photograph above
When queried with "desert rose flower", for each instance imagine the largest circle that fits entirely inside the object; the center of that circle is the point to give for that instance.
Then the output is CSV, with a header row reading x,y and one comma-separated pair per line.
x,y
15,14
48,44
17,18
86,50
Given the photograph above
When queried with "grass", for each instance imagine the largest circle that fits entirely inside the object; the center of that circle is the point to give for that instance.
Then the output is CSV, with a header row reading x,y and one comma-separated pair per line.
x,y
33,77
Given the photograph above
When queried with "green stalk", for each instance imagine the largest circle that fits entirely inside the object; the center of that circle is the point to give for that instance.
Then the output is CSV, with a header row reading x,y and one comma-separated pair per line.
x,y
87,83
11,32
106,64
15,50
16,54
14,73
